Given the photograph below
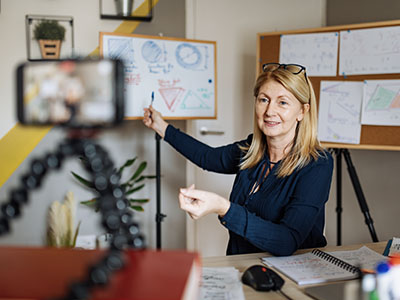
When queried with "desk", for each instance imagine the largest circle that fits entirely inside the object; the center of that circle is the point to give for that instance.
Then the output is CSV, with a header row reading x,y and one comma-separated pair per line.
x,y
290,288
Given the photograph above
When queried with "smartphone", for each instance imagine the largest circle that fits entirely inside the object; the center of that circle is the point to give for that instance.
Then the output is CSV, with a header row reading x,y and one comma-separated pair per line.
x,y
77,93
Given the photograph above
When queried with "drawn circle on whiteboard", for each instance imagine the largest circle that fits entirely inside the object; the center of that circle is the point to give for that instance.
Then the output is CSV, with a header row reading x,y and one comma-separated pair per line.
x,y
188,56
151,52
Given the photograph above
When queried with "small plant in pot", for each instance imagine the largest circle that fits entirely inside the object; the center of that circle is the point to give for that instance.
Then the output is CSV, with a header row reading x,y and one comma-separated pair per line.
x,y
49,34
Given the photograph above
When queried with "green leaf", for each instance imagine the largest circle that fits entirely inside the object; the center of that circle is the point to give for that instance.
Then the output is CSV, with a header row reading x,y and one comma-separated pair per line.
x,y
139,200
83,181
134,189
76,234
128,163
139,171
137,208
141,178
90,202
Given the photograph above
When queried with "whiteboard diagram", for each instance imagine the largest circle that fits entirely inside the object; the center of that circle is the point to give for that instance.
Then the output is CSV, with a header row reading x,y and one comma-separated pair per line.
x,y
381,102
340,111
180,72
316,51
370,51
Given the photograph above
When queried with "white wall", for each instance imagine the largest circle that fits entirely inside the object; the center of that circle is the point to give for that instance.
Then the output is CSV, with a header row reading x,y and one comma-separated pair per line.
x,y
125,142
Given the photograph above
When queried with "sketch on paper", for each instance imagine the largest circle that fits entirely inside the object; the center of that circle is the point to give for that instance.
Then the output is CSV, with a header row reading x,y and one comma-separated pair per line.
x,y
381,103
370,51
316,51
339,111
181,74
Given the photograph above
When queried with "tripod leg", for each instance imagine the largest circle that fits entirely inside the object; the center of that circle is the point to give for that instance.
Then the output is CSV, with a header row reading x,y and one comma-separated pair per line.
x,y
360,195
339,208
159,215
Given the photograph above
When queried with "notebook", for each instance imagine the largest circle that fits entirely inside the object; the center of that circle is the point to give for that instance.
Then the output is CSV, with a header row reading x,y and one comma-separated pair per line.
x,y
318,266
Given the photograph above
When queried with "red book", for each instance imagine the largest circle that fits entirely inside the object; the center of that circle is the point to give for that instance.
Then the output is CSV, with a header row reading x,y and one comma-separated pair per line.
x,y
40,273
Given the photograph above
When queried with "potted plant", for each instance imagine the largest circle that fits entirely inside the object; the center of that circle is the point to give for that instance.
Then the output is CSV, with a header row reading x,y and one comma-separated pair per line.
x,y
133,184
49,34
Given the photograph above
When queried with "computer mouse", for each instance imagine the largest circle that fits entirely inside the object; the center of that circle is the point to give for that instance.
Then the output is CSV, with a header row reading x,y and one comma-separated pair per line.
x,y
262,278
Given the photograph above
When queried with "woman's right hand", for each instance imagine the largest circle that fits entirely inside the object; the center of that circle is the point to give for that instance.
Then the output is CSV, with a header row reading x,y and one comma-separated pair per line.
x,y
154,120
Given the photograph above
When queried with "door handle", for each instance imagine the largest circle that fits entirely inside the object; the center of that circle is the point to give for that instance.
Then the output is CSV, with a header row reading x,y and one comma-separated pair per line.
x,y
204,130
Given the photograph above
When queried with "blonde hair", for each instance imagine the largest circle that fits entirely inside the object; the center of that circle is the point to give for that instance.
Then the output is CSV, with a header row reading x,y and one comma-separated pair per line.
x,y
305,145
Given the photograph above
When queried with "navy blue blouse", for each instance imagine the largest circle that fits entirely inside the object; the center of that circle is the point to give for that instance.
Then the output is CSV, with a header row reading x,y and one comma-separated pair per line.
x,y
283,215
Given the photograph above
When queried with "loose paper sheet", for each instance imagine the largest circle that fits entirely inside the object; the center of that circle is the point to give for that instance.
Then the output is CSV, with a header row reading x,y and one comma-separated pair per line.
x,y
339,111
381,102
370,51
316,51
221,284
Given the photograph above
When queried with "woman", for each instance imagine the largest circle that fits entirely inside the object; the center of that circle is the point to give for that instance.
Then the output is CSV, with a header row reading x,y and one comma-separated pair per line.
x,y
283,176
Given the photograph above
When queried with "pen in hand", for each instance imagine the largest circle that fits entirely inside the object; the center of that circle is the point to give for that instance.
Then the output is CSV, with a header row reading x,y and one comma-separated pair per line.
x,y
151,103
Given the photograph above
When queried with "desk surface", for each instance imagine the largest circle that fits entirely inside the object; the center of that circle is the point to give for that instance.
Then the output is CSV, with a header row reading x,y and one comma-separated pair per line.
x,y
290,288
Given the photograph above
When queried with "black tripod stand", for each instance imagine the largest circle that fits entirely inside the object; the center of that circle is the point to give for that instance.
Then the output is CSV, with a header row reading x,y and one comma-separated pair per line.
x,y
357,189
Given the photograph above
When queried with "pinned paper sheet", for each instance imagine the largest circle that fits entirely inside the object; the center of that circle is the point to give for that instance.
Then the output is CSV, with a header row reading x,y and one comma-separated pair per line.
x,y
340,111
381,102
316,51
370,51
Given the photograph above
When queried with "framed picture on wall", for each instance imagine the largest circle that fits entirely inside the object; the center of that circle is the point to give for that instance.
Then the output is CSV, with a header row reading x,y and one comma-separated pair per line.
x,y
49,37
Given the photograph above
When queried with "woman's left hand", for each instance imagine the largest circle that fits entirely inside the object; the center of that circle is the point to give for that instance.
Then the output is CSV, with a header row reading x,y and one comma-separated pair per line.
x,y
198,203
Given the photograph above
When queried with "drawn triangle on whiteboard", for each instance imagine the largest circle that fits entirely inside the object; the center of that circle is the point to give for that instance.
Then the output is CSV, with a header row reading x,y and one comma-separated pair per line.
x,y
193,101
171,96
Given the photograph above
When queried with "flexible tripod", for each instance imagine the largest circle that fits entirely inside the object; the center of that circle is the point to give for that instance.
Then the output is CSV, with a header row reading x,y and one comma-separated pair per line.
x,y
357,189
117,219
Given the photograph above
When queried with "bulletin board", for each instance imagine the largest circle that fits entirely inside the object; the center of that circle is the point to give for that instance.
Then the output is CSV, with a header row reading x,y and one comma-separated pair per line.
x,y
178,74
372,136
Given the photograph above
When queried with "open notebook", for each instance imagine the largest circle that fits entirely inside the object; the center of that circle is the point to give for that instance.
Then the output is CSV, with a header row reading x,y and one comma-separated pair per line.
x,y
319,266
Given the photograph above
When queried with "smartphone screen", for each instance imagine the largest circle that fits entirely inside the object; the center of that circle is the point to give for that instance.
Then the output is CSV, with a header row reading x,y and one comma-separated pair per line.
x,y
72,93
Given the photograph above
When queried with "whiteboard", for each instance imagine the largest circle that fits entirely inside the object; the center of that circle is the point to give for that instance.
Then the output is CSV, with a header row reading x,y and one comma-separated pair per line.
x,y
370,51
316,51
180,73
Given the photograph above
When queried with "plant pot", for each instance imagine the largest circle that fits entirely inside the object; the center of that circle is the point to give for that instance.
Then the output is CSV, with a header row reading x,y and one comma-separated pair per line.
x,y
50,49
124,7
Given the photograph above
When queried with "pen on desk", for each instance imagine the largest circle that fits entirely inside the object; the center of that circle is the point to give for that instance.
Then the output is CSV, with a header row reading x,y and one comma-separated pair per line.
x,y
367,271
